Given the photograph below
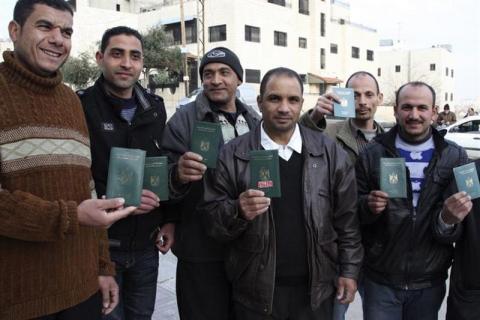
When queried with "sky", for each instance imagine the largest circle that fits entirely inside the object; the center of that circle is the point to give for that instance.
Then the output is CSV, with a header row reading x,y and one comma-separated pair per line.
x,y
417,23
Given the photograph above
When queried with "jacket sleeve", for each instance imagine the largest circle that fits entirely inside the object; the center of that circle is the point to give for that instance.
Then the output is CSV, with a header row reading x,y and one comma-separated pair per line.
x,y
364,185
176,141
346,222
220,203
27,217
455,234
307,121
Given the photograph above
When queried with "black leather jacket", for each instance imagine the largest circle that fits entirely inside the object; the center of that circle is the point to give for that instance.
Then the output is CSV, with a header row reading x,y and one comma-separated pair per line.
x,y
332,226
108,129
403,246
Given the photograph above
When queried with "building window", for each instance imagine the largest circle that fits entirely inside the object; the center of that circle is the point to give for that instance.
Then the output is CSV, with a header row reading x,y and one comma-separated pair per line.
x,y
252,34
333,48
451,73
379,72
280,38
451,96
355,52
118,7
302,42
175,33
303,7
303,77
252,76
397,68
322,58
217,33
279,2
432,66
446,71
370,55
322,24
446,96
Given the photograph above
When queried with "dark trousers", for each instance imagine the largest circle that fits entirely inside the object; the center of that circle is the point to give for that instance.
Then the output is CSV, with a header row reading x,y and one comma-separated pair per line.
x,y
136,277
383,302
289,303
88,309
203,291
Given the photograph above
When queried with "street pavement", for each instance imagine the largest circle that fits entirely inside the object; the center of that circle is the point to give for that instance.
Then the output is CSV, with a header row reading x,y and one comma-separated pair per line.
x,y
166,304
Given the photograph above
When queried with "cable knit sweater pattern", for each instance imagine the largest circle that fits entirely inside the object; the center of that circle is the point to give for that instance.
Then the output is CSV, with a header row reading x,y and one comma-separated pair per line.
x,y
48,262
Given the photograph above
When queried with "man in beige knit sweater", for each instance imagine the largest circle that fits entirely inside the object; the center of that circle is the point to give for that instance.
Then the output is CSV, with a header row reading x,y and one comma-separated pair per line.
x,y
54,255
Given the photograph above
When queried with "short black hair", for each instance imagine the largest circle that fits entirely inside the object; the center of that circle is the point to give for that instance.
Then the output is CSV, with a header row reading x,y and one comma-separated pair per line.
x,y
363,73
446,107
115,31
415,84
24,8
280,71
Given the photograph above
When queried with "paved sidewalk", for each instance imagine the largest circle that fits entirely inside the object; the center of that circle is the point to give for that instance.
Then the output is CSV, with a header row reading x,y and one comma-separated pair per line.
x,y
166,304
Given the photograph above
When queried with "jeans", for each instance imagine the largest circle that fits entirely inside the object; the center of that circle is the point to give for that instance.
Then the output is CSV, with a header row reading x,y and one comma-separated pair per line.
x,y
137,273
382,302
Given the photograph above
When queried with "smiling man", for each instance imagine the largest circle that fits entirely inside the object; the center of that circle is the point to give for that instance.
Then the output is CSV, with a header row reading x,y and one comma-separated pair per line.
x,y
120,113
53,258
284,253
407,241
203,292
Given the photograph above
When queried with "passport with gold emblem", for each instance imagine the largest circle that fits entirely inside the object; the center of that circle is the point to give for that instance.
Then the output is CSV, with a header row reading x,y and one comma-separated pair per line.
x,y
467,179
155,177
125,175
393,177
265,172
205,141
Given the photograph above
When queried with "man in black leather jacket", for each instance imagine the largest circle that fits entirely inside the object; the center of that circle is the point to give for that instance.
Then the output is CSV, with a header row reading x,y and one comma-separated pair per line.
x,y
287,255
408,241
120,113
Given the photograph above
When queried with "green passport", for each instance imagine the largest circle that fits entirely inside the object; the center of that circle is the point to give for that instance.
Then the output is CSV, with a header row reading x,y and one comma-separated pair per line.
x,y
393,177
125,175
346,107
467,179
205,141
155,177
265,172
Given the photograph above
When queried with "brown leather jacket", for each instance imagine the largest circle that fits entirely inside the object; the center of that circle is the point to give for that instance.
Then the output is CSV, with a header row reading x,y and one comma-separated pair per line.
x,y
332,226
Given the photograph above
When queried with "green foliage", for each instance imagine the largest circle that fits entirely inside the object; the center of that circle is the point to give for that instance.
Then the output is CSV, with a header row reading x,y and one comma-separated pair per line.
x,y
161,55
80,71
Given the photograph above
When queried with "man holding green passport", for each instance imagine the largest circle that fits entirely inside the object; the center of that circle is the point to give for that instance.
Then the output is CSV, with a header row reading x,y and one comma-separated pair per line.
x,y
203,292
408,239
120,113
289,256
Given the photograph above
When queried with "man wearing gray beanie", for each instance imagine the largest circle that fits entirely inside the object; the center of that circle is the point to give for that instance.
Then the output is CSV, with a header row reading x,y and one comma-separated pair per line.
x,y
203,291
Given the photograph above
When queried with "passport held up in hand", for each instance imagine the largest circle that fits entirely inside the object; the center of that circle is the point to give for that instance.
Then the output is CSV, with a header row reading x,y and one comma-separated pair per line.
x,y
467,179
125,175
155,177
205,141
346,107
393,178
265,172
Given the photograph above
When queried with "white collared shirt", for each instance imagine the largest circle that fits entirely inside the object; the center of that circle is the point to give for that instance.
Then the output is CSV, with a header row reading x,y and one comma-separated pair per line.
x,y
284,151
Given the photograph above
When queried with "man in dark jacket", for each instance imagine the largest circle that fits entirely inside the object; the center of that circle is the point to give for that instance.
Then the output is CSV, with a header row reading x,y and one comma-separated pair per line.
x,y
407,241
120,113
285,254
203,291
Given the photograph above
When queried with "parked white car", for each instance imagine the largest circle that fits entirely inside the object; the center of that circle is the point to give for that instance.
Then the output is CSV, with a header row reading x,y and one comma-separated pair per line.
x,y
466,133
245,92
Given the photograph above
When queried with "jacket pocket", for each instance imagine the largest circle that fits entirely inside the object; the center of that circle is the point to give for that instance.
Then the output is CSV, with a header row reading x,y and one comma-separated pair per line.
x,y
242,253
326,262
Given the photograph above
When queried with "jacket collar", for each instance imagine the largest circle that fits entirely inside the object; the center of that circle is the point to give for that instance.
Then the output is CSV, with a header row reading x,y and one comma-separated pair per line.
x,y
204,110
138,91
388,139
312,142
346,136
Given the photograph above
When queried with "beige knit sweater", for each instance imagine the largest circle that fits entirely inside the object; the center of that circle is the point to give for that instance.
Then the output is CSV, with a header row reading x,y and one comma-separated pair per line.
x,y
48,262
